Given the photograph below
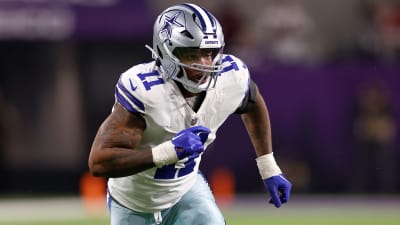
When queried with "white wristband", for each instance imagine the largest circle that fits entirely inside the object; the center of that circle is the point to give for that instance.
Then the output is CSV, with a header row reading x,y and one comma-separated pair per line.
x,y
267,166
164,154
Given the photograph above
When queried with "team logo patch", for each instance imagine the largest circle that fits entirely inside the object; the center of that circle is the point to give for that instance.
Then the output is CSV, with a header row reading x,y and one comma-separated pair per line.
x,y
169,23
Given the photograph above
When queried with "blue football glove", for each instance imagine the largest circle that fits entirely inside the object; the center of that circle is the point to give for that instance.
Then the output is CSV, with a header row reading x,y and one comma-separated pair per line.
x,y
189,142
279,189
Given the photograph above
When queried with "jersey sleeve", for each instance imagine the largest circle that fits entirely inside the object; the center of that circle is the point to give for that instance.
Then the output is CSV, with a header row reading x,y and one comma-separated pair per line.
x,y
240,77
245,83
129,94
249,99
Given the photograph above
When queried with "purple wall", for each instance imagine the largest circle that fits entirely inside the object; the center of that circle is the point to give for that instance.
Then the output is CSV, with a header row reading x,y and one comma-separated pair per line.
x,y
126,20
311,114
80,20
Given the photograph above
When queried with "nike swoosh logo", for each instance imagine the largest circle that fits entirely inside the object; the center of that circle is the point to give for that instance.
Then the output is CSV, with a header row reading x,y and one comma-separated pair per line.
x,y
133,87
176,137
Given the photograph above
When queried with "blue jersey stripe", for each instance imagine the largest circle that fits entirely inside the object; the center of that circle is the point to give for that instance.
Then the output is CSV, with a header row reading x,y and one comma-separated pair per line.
x,y
124,102
132,98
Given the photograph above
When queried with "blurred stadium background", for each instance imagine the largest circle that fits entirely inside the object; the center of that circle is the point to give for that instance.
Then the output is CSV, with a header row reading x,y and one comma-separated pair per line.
x,y
329,71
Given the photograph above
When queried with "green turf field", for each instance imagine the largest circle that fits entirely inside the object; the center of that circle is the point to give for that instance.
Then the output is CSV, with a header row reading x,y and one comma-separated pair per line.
x,y
252,219
302,210
249,220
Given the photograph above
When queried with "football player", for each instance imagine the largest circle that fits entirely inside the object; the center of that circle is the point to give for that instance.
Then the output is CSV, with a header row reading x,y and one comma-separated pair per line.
x,y
165,115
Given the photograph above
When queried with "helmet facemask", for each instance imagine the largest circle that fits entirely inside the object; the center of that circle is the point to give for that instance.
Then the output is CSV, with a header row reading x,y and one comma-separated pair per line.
x,y
209,72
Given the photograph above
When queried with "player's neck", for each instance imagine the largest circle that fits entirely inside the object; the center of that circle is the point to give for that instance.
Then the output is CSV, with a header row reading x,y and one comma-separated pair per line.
x,y
186,93
199,97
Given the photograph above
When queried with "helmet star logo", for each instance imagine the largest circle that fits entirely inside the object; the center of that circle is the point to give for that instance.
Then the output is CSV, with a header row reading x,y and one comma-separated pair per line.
x,y
169,22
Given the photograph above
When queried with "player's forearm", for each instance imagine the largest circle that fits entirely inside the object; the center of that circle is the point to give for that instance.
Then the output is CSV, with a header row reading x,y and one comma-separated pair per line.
x,y
114,151
258,126
118,162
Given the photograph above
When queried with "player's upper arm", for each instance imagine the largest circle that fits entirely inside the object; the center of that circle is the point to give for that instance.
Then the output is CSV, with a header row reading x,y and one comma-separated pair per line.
x,y
112,147
120,129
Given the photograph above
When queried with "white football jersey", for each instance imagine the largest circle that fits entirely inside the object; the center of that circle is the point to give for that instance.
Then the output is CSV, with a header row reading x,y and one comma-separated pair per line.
x,y
142,89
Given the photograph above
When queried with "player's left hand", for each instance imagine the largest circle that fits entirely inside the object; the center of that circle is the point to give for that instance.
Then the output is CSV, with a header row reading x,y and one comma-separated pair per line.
x,y
279,189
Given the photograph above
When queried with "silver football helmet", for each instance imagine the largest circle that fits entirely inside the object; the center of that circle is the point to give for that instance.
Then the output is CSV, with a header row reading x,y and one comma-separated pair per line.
x,y
187,26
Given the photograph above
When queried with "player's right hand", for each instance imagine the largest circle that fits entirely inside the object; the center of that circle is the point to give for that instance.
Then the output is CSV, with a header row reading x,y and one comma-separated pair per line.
x,y
189,142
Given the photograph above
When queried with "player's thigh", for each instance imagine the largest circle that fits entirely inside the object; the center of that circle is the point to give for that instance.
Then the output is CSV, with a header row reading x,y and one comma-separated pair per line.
x,y
198,207
120,215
